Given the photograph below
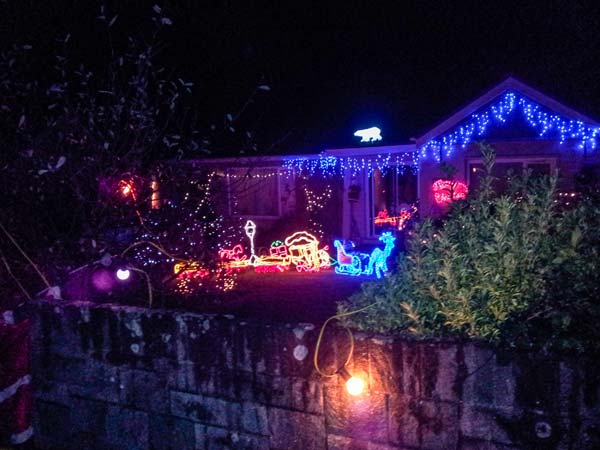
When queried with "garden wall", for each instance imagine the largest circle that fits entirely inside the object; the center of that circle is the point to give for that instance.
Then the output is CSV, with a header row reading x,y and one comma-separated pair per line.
x,y
118,377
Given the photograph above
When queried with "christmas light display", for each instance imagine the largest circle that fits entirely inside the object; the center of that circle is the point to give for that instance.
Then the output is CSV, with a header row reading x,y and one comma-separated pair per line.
x,y
446,191
192,229
300,249
368,134
356,264
305,254
399,222
545,123
315,203
328,165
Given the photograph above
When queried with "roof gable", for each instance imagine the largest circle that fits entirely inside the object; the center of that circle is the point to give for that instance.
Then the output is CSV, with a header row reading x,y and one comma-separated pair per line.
x,y
503,99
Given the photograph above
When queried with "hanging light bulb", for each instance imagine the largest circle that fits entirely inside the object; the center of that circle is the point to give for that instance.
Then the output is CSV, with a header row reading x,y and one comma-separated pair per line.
x,y
123,274
354,385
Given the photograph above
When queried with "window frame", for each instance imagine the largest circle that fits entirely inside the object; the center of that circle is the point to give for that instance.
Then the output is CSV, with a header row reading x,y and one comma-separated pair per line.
x,y
524,160
230,193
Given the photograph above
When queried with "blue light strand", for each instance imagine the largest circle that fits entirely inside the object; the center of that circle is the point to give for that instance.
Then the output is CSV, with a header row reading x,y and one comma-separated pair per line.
x,y
327,165
475,126
543,122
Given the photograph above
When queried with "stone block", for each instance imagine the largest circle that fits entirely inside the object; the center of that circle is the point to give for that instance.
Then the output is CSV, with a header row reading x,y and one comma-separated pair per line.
x,y
297,345
171,433
98,381
290,430
212,438
504,381
382,376
485,424
126,428
423,423
478,376
52,421
411,371
51,391
440,371
253,419
272,391
307,395
88,416
588,376
335,442
363,417
537,383
160,335
204,409
148,391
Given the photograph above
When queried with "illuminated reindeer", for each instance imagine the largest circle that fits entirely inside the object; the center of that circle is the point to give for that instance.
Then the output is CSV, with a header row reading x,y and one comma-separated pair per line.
x,y
378,258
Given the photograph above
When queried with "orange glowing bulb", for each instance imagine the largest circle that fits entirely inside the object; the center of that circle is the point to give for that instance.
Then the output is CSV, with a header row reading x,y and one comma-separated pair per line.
x,y
355,386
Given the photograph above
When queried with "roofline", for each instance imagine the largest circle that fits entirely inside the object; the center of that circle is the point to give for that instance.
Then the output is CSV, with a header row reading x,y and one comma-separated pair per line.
x,y
357,151
509,84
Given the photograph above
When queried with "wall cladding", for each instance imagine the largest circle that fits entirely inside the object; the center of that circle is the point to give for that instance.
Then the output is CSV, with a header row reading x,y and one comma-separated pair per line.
x,y
118,377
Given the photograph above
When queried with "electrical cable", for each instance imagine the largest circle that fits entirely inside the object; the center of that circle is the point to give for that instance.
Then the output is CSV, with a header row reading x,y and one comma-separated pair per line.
x,y
350,335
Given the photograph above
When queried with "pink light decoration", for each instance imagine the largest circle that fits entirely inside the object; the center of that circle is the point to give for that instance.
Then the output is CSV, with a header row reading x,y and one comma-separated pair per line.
x,y
447,191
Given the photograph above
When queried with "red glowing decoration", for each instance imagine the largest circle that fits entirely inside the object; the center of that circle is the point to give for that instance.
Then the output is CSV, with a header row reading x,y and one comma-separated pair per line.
x,y
447,191
126,188
399,222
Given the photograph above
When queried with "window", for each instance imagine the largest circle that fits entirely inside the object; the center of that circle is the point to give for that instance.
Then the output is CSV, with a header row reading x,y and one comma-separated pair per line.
x,y
507,166
391,194
254,192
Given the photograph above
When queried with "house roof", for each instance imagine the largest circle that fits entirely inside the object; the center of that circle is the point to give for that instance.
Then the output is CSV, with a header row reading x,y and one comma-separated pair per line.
x,y
509,84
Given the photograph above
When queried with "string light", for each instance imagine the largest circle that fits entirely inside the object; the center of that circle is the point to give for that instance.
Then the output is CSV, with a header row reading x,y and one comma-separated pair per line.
x,y
314,203
328,165
545,123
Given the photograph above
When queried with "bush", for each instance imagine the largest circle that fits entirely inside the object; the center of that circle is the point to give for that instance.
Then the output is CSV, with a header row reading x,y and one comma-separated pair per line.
x,y
513,267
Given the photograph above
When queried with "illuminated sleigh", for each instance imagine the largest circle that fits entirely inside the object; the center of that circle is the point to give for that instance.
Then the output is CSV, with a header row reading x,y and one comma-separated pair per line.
x,y
348,263
356,264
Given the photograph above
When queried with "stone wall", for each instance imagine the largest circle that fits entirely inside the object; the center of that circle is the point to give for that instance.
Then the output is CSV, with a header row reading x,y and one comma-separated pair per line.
x,y
116,377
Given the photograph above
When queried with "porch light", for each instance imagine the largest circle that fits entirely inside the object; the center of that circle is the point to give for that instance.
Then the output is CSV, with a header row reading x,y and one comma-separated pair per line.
x,y
354,385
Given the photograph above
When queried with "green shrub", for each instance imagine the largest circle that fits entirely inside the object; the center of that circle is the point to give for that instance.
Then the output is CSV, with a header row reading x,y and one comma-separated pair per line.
x,y
512,267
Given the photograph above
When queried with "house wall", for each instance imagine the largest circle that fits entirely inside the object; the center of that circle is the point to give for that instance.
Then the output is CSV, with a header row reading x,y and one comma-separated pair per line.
x,y
112,377
569,161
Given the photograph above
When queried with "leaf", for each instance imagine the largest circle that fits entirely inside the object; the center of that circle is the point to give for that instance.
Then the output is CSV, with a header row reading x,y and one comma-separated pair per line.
x,y
157,9
264,87
112,21
22,121
166,21
60,162
42,171
576,237
229,117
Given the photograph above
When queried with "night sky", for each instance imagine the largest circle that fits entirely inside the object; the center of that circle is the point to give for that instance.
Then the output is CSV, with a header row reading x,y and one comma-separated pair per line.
x,y
334,68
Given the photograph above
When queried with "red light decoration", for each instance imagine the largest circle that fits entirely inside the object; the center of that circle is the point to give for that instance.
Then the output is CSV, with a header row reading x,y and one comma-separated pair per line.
x,y
300,249
383,218
447,191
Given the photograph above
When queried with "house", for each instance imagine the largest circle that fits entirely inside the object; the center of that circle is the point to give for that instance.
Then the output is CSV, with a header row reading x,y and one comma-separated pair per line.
x,y
357,193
